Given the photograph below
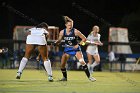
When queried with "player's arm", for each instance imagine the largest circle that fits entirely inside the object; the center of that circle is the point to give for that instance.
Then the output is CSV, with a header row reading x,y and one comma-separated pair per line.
x,y
88,41
59,38
99,42
78,33
92,42
47,36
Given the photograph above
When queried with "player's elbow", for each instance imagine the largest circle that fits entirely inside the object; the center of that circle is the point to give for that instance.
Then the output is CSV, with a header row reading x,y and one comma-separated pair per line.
x,y
84,39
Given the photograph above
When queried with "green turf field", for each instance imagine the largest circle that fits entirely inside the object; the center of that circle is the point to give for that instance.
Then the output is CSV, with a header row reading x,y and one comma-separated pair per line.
x,y
35,81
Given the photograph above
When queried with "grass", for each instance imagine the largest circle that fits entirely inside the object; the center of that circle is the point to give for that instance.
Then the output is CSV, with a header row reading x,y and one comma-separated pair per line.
x,y
35,81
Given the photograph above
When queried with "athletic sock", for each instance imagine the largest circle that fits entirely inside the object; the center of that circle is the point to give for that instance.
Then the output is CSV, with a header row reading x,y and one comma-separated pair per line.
x,y
22,64
64,72
48,68
88,65
85,67
94,64
90,68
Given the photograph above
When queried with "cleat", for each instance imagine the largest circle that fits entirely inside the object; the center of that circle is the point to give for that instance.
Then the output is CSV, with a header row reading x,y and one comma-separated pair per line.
x,y
50,78
18,75
63,79
92,79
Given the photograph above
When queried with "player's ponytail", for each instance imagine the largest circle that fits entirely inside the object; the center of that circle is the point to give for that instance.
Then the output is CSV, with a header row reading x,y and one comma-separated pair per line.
x,y
67,19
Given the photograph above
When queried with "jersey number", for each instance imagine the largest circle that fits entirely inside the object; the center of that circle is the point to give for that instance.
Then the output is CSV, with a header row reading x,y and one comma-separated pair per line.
x,y
69,42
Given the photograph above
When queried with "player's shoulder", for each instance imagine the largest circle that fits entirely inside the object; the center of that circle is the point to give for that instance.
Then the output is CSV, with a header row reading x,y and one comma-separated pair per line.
x,y
76,31
45,31
61,32
99,35
33,28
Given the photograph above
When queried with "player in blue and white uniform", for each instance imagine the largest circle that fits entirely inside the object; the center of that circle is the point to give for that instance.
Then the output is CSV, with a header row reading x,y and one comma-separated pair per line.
x,y
69,34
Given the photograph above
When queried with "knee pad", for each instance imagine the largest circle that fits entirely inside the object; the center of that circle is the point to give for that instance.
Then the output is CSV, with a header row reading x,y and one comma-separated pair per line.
x,y
81,60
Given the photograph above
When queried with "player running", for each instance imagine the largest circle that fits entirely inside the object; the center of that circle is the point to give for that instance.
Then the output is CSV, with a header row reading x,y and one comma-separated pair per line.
x,y
93,41
69,34
37,36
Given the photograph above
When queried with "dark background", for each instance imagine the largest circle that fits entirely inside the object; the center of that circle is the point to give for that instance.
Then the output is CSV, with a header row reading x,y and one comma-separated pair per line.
x,y
105,13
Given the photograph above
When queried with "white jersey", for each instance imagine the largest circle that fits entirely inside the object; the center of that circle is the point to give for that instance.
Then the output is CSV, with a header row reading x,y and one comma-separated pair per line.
x,y
93,49
37,36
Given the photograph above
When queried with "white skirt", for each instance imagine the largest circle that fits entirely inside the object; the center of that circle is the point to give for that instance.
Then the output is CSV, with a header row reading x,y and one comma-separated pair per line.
x,y
36,39
92,50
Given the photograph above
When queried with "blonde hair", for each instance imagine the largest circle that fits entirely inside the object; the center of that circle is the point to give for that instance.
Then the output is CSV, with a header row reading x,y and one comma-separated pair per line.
x,y
67,19
95,26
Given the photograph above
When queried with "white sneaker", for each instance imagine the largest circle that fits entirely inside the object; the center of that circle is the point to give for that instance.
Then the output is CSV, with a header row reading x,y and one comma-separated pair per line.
x,y
92,79
50,78
18,75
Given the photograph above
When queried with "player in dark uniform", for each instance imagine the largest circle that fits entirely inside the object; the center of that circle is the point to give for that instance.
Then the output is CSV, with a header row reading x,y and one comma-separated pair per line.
x,y
72,47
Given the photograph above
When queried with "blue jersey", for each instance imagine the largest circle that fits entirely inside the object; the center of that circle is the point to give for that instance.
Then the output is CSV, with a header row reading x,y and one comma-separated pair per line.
x,y
70,40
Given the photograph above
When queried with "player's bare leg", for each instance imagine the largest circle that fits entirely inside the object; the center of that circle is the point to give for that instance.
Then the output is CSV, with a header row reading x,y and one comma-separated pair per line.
x,y
79,56
29,49
64,59
47,64
96,62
